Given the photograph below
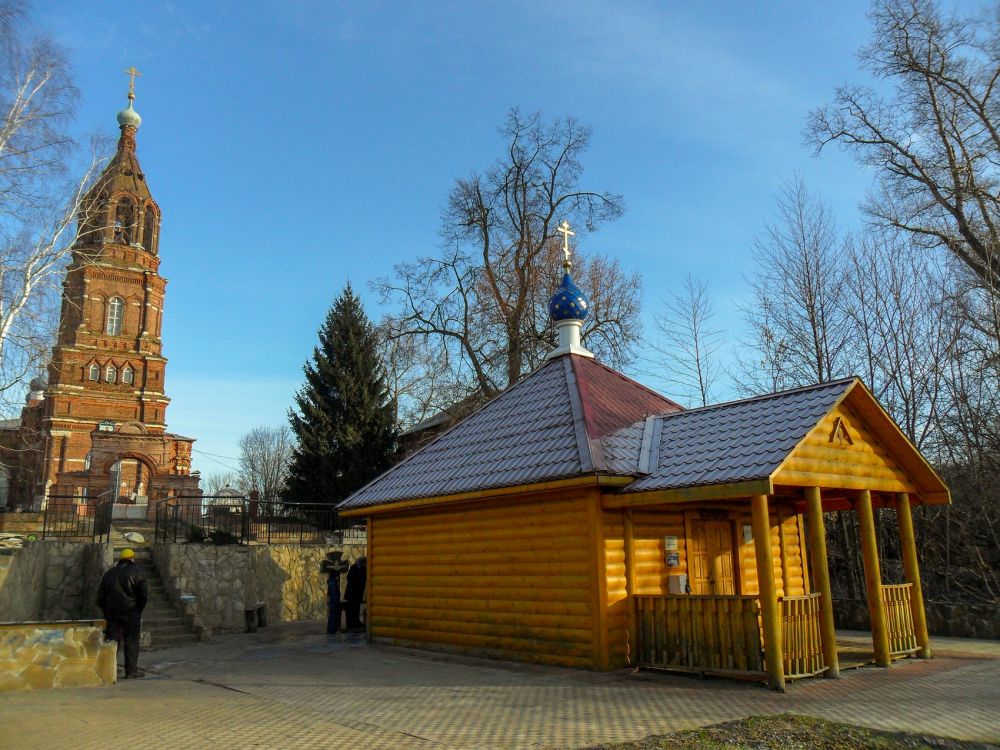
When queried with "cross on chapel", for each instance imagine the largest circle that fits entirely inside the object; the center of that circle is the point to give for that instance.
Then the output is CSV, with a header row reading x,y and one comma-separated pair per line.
x,y
564,230
132,73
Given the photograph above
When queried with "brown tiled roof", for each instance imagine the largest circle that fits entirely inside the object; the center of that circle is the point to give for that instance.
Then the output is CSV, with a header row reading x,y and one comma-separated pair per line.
x,y
548,426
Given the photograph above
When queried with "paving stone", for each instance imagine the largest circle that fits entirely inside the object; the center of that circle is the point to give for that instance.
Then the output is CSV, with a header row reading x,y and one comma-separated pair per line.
x,y
291,687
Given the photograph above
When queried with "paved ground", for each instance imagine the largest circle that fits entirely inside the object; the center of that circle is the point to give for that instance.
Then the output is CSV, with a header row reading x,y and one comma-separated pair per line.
x,y
290,687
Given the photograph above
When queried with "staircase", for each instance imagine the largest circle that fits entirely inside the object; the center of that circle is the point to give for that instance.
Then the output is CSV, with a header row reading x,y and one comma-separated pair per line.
x,y
160,619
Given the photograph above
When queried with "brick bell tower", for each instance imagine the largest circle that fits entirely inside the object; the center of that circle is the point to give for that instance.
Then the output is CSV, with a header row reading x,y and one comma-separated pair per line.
x,y
104,411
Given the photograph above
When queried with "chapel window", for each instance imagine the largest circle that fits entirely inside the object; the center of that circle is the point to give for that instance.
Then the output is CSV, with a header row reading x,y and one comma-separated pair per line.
x,y
94,372
127,376
86,462
116,311
110,374
125,221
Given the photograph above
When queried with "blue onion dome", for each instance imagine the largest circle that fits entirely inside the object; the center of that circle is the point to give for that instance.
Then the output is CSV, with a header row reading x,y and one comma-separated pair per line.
x,y
569,302
129,116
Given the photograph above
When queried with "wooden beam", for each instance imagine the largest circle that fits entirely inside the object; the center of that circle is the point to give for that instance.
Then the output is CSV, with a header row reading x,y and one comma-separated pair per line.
x,y
773,652
908,545
556,485
873,579
821,574
688,494
599,578
629,540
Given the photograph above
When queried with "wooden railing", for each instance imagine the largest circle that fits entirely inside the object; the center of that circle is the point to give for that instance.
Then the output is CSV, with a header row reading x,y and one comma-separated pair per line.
x,y
802,644
899,618
719,634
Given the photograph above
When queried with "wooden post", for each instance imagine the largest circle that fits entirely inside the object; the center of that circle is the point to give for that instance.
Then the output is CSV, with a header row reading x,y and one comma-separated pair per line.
x,y
773,653
873,580
821,574
908,545
633,635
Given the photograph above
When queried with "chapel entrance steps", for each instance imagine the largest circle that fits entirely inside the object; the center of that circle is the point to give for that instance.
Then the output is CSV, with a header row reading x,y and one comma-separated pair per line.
x,y
160,619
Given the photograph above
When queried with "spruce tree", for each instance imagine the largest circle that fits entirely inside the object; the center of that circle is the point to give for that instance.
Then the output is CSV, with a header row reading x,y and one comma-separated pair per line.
x,y
345,418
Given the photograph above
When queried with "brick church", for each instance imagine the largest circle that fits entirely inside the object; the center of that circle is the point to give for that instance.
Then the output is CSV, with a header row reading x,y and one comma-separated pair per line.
x,y
96,429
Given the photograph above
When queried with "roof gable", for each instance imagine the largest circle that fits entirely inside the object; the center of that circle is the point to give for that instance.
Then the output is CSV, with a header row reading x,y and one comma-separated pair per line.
x,y
858,446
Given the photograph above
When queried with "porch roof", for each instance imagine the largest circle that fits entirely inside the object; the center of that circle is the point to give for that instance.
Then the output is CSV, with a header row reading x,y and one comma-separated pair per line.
x,y
737,441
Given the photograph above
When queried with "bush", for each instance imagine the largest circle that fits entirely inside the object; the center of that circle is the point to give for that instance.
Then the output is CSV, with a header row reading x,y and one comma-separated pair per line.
x,y
196,534
222,537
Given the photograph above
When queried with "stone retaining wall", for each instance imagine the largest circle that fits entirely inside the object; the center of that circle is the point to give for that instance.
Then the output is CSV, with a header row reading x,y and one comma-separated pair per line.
x,y
52,580
954,620
38,655
24,523
226,580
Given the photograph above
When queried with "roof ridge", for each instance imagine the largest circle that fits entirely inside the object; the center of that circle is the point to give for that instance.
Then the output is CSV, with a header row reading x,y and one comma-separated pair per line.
x,y
762,397
632,381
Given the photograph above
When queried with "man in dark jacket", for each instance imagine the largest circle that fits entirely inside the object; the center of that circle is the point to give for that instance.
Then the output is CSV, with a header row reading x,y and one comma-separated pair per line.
x,y
354,594
332,567
122,596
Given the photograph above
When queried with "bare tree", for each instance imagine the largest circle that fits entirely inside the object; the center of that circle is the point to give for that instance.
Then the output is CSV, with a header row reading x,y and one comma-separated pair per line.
x,y
797,332
39,204
686,354
935,142
265,453
479,307
215,483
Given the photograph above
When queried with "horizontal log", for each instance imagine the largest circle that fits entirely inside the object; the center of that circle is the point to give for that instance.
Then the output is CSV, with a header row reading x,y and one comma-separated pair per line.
x,y
512,618
561,637
557,660
503,556
542,511
838,481
514,647
842,465
482,592
513,544
450,537
528,570
542,606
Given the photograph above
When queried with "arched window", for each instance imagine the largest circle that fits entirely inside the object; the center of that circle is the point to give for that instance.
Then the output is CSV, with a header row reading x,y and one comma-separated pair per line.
x,y
127,376
125,221
116,311
92,220
148,228
86,462
110,374
94,372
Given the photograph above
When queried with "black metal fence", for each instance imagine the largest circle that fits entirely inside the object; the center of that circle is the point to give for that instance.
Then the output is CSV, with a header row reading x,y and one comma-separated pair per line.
x,y
304,523
74,517
238,520
216,519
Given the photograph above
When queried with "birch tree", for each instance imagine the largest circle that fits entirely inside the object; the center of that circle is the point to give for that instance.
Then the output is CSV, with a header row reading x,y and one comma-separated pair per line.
x,y
40,202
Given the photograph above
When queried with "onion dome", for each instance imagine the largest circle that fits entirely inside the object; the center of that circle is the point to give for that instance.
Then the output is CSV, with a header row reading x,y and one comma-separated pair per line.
x,y
569,302
129,117
39,383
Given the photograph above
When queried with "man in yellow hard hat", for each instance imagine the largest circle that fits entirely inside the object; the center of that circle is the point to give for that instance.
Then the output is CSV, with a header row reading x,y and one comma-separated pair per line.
x,y
122,596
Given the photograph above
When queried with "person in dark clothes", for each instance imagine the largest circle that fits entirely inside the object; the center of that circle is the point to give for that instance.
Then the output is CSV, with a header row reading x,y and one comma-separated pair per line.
x,y
354,595
122,596
333,566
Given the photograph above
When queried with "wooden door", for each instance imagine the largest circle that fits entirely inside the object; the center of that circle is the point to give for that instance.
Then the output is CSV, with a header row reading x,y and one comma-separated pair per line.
x,y
711,563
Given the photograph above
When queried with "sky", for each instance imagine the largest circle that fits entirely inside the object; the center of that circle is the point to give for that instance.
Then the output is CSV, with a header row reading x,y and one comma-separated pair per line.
x,y
293,147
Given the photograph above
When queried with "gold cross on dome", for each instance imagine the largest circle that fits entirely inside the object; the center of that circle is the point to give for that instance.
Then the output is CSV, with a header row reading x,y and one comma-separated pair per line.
x,y
132,73
564,230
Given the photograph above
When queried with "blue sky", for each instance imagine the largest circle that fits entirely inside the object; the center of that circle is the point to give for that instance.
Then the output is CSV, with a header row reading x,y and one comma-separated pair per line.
x,y
293,146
